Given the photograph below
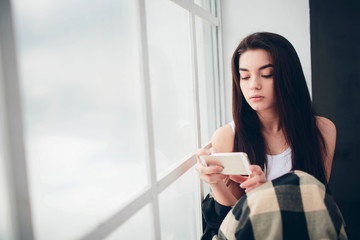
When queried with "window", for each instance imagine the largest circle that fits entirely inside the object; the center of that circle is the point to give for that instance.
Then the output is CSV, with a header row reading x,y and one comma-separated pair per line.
x,y
137,226
178,203
116,96
169,45
207,78
208,5
84,134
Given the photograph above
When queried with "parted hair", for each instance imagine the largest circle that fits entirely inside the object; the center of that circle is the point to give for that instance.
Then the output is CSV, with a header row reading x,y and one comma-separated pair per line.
x,y
294,106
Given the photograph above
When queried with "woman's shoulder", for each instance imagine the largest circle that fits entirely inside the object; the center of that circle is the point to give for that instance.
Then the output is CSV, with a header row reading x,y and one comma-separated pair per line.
x,y
223,139
328,131
326,126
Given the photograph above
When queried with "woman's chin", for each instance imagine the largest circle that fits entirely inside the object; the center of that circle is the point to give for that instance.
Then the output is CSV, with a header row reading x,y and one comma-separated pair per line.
x,y
261,108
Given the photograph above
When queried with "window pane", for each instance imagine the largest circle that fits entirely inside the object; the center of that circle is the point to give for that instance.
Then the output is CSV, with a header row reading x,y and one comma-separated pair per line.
x,y
208,5
206,76
139,226
171,81
178,208
83,111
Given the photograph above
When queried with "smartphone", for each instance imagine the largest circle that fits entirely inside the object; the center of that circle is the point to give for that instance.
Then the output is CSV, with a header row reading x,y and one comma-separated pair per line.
x,y
234,163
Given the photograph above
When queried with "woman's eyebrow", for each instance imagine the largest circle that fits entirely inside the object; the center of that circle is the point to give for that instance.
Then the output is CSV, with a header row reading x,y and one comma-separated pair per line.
x,y
260,68
266,66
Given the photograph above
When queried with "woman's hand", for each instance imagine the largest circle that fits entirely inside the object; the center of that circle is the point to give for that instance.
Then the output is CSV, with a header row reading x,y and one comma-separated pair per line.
x,y
209,174
256,178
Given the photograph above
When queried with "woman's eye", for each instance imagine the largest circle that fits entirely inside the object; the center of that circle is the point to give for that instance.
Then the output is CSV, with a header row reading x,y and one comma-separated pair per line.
x,y
245,78
267,76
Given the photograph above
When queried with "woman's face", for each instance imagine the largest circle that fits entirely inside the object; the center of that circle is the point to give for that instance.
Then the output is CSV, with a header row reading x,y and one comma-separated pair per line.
x,y
256,79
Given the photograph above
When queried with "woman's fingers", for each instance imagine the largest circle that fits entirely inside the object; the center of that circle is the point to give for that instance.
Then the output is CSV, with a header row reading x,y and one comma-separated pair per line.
x,y
256,178
212,150
251,188
200,152
256,170
238,178
212,178
209,174
253,182
208,170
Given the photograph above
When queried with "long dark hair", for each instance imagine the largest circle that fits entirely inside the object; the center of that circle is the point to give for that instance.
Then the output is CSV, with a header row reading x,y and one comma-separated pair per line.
x,y
297,117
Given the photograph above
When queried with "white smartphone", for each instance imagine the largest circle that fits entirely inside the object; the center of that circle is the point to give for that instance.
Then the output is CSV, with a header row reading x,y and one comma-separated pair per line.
x,y
234,163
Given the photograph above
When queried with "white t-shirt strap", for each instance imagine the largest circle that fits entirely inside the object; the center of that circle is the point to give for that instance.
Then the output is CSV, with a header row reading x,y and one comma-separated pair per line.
x,y
232,124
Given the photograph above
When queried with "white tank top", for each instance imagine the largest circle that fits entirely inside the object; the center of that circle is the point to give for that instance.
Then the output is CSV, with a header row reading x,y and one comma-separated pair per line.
x,y
278,165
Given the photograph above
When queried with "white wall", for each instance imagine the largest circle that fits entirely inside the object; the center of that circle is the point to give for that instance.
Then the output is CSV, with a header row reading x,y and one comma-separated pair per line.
x,y
288,18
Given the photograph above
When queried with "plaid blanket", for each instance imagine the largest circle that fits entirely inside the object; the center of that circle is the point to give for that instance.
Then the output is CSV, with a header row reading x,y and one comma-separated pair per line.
x,y
293,206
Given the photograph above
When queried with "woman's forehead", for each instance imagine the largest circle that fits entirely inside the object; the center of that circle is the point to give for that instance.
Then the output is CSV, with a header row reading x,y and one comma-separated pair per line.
x,y
254,58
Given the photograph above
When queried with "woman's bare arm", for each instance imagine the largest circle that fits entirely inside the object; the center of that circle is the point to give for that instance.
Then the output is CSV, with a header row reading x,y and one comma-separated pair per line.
x,y
328,131
222,141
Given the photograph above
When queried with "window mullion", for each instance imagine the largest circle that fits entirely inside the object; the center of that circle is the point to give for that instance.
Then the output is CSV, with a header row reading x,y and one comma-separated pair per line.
x,y
107,227
220,64
146,93
12,128
195,80
197,10
200,191
216,76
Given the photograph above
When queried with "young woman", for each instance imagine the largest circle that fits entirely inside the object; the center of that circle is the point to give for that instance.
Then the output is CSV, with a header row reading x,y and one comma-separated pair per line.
x,y
274,121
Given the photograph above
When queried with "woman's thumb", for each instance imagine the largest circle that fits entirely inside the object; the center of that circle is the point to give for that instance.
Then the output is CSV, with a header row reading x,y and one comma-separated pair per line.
x,y
212,150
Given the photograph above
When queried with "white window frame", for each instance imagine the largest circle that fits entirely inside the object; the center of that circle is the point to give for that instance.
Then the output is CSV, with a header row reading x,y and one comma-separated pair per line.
x,y
12,124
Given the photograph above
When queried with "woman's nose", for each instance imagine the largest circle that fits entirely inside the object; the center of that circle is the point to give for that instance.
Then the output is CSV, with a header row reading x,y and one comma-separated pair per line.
x,y
255,83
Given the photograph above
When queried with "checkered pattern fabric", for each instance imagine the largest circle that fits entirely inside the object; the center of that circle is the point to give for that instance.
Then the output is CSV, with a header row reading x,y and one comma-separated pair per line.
x,y
294,206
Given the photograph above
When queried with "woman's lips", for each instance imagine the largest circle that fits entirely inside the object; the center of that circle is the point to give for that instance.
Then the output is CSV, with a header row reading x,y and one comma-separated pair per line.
x,y
256,98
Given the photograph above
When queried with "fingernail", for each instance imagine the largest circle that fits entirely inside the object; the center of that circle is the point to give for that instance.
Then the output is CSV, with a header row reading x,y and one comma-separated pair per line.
x,y
242,185
220,169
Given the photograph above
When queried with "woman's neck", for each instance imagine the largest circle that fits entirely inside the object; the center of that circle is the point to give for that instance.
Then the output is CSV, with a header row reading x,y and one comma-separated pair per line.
x,y
270,121
274,137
